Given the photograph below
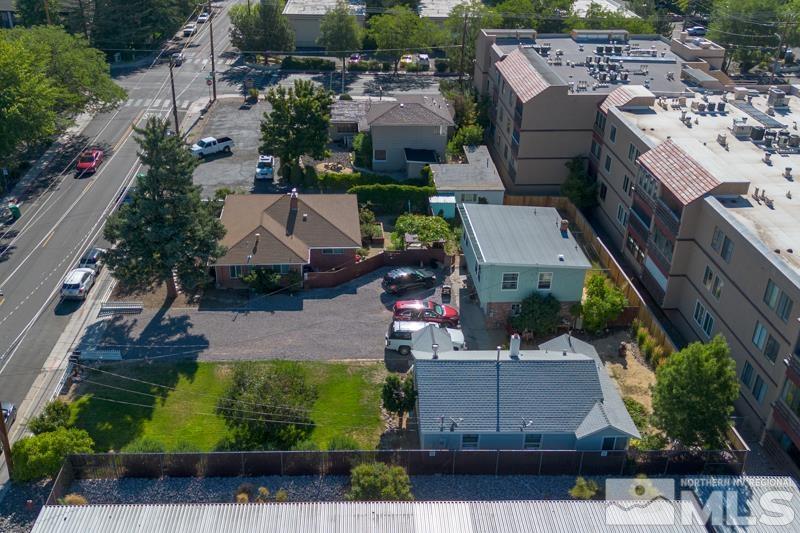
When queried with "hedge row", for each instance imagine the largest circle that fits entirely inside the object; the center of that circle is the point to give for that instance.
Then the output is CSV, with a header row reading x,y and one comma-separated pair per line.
x,y
307,63
393,198
343,182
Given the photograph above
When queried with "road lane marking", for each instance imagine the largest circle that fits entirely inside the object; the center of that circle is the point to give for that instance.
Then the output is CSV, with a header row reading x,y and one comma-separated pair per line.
x,y
48,237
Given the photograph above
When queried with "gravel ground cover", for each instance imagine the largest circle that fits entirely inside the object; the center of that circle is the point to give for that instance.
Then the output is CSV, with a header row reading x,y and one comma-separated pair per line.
x,y
14,515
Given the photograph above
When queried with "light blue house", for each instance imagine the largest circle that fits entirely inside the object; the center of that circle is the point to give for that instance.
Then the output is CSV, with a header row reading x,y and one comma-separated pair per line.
x,y
548,399
512,251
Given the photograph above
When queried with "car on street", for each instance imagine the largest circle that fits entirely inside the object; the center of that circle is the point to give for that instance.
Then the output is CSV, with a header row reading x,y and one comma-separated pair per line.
x,y
89,160
400,336
177,59
400,280
697,31
211,145
9,413
426,311
354,58
423,60
407,59
93,258
77,284
264,167
203,17
190,29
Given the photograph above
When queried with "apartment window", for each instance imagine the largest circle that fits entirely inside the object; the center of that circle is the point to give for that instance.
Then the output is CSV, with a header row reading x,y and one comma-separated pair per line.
x,y
634,248
545,281
771,294
716,288
516,309
608,443
510,281
469,198
380,155
626,184
533,441
703,318
633,153
469,442
622,215
595,150
607,164
601,192
612,135
727,249
759,335
747,374
708,278
784,307
332,251
600,120
716,240
759,389
771,348
235,271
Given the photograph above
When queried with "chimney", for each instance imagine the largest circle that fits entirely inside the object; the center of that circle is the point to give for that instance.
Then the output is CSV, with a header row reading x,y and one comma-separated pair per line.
x,y
293,200
514,345
435,348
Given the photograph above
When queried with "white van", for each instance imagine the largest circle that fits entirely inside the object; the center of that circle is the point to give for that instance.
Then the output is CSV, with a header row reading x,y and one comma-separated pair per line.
x,y
400,336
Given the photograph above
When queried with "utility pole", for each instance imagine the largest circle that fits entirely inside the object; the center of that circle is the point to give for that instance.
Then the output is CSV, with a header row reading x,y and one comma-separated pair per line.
x,y
213,68
775,60
463,50
174,103
6,445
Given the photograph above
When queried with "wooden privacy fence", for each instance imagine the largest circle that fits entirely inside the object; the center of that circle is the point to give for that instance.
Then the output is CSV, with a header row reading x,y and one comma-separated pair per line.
x,y
594,247
314,280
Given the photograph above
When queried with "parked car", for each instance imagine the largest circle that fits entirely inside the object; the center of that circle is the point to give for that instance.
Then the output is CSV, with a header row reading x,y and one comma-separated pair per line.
x,y
77,284
211,145
426,311
697,31
9,413
354,58
399,336
89,160
407,59
403,279
190,29
203,17
264,167
93,258
177,59
423,60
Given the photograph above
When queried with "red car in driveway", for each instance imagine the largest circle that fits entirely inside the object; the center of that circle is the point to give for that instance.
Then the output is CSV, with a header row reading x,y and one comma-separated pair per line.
x,y
89,161
426,311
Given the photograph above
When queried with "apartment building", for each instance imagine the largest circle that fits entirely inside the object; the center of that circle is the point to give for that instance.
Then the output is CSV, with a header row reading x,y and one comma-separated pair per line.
x,y
305,17
545,89
699,194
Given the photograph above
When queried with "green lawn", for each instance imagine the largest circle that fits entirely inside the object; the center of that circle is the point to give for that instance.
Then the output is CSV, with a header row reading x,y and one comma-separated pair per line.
x,y
182,414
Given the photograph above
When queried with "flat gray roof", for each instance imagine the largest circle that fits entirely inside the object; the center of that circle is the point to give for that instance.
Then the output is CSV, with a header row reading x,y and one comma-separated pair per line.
x,y
321,7
438,9
478,174
522,236
539,516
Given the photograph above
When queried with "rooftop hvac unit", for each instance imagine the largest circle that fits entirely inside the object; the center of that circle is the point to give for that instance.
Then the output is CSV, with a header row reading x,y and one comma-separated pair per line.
x,y
739,93
722,139
794,140
721,107
757,133
711,107
740,128
624,75
598,50
776,97
783,141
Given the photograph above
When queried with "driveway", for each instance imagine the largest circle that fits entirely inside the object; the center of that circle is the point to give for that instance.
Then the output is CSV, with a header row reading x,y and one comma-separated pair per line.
x,y
346,322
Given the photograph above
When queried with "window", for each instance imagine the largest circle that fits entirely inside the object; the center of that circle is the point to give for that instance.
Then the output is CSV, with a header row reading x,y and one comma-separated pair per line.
x,y
771,295
634,249
600,120
633,153
727,249
716,288
332,251
545,281
607,164
759,389
703,318
595,149
626,184
784,307
235,271
347,128
602,191
622,215
608,443
469,198
648,185
516,309
759,335
380,155
772,348
716,240
510,280
469,442
478,271
612,135
708,278
747,374
533,441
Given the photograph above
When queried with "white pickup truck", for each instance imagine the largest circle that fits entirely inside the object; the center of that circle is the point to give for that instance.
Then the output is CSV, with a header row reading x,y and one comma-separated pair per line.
x,y
211,145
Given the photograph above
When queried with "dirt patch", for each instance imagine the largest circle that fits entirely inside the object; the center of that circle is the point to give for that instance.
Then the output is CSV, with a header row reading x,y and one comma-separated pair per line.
x,y
208,298
631,375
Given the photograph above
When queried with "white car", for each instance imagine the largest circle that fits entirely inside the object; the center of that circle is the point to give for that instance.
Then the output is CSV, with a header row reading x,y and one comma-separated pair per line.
x,y
203,17
189,30
77,284
400,336
424,60
265,167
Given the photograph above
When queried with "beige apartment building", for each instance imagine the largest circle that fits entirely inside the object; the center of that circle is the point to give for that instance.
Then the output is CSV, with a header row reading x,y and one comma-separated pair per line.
x,y
700,196
545,89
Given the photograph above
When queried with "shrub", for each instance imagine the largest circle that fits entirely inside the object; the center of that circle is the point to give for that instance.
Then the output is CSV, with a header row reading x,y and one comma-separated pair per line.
x,y
342,181
394,198
641,335
638,413
441,65
538,314
306,446
265,281
469,135
73,499
55,415
647,348
343,442
649,441
345,97
245,488
42,455
658,355
377,482
428,229
584,489
604,302
281,495
242,498
306,63
362,150
263,495
252,93
579,186
144,445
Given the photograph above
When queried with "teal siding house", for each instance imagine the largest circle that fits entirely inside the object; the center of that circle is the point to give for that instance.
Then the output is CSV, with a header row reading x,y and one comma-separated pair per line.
x,y
512,251
559,397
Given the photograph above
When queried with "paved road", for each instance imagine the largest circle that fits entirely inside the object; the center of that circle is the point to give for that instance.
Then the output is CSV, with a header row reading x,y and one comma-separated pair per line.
x,y
63,215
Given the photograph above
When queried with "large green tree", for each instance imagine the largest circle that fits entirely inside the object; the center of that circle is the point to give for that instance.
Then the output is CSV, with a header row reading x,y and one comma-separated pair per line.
x,y
42,455
694,394
599,18
399,395
579,186
166,230
297,124
35,12
400,31
604,302
135,24
339,33
544,16
463,26
261,28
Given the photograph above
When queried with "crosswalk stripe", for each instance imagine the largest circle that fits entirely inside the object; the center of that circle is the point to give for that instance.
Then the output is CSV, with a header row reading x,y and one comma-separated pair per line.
x,y
165,104
139,102
184,104
127,103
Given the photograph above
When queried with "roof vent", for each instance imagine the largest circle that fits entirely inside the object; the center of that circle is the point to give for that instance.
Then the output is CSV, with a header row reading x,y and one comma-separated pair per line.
x,y
305,217
787,173
561,257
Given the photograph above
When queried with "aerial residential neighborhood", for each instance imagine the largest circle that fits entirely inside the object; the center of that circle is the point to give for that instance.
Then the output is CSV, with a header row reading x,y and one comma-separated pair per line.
x,y
360,267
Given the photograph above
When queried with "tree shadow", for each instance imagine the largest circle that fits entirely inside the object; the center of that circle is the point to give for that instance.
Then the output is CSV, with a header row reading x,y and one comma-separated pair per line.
x,y
387,83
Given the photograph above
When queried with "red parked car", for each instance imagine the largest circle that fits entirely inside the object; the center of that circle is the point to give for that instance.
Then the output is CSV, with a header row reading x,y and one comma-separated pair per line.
x,y
426,311
89,161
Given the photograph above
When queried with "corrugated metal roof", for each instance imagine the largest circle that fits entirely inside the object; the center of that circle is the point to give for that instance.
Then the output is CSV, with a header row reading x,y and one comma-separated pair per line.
x,y
522,236
685,178
621,96
521,75
542,516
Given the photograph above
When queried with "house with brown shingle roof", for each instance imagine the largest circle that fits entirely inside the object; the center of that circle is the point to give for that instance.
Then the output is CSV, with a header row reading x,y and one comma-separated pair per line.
x,y
287,233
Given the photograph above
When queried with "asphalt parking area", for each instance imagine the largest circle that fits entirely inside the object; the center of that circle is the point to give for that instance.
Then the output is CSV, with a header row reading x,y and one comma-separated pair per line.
x,y
345,322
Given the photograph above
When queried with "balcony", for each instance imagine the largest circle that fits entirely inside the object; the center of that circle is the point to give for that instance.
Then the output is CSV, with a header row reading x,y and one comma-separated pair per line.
x,y
668,218
659,257
787,420
638,227
644,197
